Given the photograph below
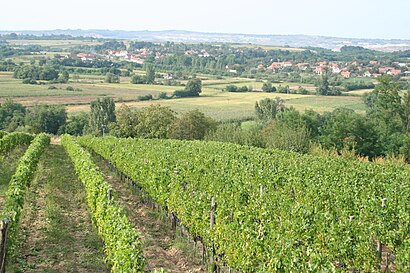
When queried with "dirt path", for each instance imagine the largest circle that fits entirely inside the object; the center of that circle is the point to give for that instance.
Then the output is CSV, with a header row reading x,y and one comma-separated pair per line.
x,y
56,233
161,250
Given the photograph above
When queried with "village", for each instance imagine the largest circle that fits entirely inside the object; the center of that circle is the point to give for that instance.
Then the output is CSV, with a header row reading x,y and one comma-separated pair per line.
x,y
347,70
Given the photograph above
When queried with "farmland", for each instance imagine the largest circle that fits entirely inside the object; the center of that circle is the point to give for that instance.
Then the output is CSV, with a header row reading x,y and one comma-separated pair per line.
x,y
67,190
213,100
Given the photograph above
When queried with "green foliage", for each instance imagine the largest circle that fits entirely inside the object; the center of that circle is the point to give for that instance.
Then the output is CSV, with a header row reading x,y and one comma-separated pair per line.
x,y
191,125
345,129
234,88
356,85
11,115
267,109
268,87
18,186
154,121
232,133
145,97
279,135
3,134
276,211
192,89
46,118
9,141
138,79
163,96
323,87
112,78
101,115
77,124
150,74
122,244
33,73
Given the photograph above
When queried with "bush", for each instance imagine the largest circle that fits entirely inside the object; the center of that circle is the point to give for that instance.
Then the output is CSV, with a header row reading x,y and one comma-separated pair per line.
x,y
52,87
163,96
268,87
137,79
69,88
29,81
145,97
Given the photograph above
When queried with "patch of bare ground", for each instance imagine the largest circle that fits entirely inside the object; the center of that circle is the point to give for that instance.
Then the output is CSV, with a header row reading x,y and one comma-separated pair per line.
x,y
162,248
56,233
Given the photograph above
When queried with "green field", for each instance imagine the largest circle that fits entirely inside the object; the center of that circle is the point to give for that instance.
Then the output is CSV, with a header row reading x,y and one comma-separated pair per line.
x,y
213,100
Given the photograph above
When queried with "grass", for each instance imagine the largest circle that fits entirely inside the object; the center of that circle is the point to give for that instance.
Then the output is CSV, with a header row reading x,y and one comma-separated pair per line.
x,y
56,233
213,101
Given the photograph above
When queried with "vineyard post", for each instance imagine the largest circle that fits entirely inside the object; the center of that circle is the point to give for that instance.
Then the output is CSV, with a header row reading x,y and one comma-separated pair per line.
x,y
261,191
109,194
4,225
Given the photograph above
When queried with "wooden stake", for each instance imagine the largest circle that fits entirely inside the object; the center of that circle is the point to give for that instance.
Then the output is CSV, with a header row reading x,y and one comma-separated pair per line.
x,y
109,194
4,226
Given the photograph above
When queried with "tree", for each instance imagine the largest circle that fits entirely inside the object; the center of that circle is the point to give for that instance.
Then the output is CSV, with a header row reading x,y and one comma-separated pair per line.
x,y
268,87
191,125
345,129
101,115
192,89
77,124
64,77
150,74
112,78
137,79
280,135
46,118
323,87
126,123
268,109
155,121
11,115
194,86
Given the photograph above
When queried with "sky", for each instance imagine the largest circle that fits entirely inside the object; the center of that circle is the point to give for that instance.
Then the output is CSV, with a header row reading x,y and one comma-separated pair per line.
x,y
341,18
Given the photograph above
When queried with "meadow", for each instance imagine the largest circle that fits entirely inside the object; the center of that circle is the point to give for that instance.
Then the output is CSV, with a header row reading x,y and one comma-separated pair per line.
x,y
213,101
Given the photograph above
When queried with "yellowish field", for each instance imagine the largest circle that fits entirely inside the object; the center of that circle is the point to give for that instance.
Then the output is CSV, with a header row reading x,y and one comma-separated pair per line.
x,y
57,43
268,47
213,101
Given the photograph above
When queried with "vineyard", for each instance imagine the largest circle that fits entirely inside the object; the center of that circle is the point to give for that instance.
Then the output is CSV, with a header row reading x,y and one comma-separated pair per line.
x,y
275,211
251,209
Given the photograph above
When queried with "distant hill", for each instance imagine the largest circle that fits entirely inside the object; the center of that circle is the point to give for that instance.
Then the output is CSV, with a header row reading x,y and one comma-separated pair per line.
x,y
192,37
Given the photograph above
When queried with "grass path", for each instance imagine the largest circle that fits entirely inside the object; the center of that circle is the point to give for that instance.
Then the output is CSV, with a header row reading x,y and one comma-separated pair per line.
x,y
8,165
56,233
161,248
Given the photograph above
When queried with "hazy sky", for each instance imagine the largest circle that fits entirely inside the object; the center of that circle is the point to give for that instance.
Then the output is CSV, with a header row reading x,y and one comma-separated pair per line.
x,y
342,18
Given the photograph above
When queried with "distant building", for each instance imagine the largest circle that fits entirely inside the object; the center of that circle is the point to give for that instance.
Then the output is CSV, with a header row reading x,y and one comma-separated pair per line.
x,y
320,70
277,65
367,74
346,74
394,72
336,69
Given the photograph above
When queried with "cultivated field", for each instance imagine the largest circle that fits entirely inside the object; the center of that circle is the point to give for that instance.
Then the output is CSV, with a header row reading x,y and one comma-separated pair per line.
x,y
213,100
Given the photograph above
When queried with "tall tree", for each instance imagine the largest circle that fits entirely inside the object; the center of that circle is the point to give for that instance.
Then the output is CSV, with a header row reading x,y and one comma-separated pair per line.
x,y
267,109
102,114
150,73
